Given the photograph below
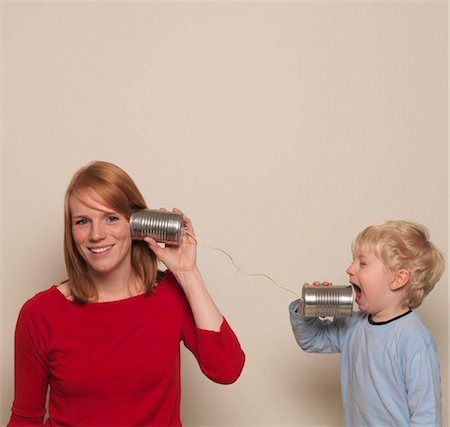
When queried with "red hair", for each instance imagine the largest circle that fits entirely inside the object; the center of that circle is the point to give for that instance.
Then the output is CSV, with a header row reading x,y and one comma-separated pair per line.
x,y
113,187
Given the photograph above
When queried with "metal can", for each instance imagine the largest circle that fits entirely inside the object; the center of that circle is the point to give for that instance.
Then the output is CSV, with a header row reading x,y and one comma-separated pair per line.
x,y
327,301
164,227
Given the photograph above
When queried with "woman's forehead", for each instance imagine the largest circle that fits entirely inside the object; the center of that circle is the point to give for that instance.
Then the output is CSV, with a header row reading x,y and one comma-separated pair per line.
x,y
89,198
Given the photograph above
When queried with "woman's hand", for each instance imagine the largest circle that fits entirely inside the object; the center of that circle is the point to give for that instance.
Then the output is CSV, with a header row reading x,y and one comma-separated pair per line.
x,y
181,258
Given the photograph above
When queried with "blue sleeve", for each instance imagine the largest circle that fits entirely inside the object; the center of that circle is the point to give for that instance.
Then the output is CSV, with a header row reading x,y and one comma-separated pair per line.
x,y
422,379
316,335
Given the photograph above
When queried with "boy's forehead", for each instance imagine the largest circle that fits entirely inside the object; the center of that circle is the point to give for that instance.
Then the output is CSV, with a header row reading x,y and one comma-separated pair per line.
x,y
362,246
362,254
359,251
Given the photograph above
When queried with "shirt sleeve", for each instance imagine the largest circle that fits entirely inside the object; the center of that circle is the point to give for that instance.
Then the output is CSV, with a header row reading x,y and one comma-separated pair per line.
x,y
313,334
423,388
219,354
30,368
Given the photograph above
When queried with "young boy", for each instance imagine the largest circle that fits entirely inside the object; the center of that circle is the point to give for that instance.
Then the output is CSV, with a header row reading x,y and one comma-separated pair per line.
x,y
389,362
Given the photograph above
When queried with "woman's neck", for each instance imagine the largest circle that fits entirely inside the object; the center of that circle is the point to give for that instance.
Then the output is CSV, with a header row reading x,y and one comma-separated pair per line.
x,y
116,287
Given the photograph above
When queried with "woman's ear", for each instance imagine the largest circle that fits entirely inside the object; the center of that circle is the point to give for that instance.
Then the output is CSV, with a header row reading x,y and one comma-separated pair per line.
x,y
400,279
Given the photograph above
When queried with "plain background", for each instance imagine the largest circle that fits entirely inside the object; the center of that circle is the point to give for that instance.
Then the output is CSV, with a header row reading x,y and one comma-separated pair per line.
x,y
281,128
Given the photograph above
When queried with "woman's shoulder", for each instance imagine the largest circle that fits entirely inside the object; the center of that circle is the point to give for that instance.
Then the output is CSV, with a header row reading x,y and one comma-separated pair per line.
x,y
167,283
40,302
44,296
64,289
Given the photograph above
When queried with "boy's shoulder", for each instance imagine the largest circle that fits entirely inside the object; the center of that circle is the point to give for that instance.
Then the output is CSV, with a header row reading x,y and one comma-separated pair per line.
x,y
413,333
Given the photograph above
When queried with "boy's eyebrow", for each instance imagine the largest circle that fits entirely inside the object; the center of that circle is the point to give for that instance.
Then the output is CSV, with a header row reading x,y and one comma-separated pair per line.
x,y
359,255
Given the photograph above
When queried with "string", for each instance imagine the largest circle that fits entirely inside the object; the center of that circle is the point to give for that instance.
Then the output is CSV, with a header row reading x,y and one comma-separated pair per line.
x,y
238,267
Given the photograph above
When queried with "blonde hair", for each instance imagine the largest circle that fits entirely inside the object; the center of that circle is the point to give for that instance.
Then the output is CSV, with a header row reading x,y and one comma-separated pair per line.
x,y
113,187
404,244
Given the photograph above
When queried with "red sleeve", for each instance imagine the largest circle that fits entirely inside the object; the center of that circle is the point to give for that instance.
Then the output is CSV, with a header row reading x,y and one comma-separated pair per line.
x,y
30,367
17,421
219,354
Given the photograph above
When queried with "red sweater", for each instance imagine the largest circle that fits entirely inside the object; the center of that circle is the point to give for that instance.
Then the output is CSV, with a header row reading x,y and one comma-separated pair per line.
x,y
113,363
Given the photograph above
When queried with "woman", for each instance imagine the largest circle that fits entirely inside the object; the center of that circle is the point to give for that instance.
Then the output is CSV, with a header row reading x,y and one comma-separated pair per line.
x,y
106,341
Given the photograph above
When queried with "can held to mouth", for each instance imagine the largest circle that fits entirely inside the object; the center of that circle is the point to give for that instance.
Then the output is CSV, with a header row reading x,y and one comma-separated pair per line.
x,y
327,301
164,227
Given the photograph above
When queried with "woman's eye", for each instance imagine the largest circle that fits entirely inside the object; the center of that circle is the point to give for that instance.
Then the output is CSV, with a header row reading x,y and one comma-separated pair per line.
x,y
112,218
81,221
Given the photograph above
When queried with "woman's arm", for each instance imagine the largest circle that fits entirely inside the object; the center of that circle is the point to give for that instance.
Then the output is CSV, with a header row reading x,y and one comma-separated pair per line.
x,y
30,368
181,260
205,331
206,314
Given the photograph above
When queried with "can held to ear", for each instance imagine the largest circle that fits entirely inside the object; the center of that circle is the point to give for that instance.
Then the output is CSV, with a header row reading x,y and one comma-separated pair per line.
x,y
327,301
164,227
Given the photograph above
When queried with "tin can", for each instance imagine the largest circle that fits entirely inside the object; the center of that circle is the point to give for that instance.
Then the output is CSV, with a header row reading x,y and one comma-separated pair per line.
x,y
327,301
164,227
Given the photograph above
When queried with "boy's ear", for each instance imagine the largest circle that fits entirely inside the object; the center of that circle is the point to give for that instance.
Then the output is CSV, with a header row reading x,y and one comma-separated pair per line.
x,y
400,279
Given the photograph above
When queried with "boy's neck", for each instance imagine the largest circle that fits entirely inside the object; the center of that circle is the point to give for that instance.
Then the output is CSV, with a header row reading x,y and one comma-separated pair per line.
x,y
388,315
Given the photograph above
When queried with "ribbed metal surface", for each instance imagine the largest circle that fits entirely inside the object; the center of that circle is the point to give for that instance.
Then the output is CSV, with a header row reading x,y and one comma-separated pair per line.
x,y
327,301
164,227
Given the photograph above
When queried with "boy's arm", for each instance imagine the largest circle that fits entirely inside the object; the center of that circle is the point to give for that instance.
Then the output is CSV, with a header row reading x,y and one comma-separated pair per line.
x,y
313,334
423,387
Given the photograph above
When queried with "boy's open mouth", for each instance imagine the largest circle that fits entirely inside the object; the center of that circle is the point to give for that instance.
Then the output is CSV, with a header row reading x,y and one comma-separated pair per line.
x,y
357,290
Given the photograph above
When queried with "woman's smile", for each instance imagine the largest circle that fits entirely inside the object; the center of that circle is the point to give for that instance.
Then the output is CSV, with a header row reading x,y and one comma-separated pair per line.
x,y
101,249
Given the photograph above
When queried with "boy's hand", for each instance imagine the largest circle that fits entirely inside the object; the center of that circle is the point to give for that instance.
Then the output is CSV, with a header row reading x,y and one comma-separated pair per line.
x,y
317,283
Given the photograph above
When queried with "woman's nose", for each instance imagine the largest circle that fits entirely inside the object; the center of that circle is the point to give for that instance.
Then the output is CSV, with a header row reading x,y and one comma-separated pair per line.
x,y
97,231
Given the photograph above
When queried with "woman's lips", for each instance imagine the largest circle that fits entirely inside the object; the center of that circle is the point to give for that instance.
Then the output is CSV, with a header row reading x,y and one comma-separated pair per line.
x,y
100,249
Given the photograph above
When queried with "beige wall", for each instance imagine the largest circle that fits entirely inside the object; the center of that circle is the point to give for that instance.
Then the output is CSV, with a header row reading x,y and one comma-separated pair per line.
x,y
281,128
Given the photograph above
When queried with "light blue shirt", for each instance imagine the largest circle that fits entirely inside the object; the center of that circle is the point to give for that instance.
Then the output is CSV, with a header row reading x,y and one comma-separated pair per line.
x,y
389,372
